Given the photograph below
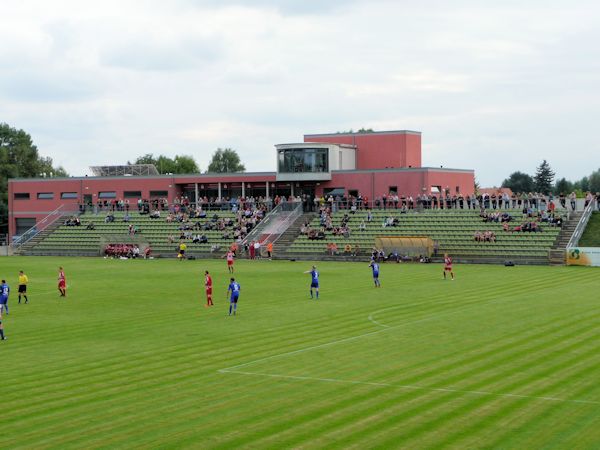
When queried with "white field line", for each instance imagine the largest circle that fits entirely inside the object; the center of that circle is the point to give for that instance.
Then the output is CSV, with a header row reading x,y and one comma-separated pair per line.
x,y
234,369
351,338
411,387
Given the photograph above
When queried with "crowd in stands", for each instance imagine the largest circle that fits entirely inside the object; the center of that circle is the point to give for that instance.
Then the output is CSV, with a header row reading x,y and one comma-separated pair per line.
x,y
485,236
73,221
494,201
126,251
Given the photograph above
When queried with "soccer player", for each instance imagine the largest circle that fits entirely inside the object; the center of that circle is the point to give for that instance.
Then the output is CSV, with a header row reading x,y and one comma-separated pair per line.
x,y
208,287
182,249
270,250
230,256
448,266
234,288
314,284
23,280
4,293
2,337
62,282
375,267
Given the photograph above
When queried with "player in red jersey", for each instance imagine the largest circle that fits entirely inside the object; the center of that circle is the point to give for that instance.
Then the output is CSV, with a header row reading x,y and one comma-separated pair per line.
x,y
448,266
230,255
62,282
208,286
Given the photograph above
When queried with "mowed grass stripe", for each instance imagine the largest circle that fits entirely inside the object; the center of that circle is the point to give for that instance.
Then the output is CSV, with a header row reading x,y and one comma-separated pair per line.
x,y
477,405
336,409
178,409
379,408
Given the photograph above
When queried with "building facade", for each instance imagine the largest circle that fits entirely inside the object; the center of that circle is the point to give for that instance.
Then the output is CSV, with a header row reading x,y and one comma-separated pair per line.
x,y
372,164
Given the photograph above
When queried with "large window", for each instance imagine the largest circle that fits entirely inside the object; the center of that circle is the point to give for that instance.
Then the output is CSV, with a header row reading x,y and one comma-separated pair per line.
x,y
21,195
45,195
107,194
132,194
303,160
159,194
67,195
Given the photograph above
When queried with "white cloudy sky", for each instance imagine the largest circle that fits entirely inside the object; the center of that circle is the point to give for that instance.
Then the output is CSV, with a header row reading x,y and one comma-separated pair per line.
x,y
493,86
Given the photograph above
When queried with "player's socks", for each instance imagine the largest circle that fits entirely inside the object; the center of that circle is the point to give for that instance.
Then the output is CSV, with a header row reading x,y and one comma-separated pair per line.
x,y
2,334
26,299
311,294
19,299
229,309
317,295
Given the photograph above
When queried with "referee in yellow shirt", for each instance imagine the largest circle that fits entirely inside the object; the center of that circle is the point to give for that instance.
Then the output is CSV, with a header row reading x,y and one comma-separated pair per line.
x,y
23,280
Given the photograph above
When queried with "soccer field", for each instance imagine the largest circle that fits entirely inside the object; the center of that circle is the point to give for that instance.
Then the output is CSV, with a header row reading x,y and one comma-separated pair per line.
x,y
499,358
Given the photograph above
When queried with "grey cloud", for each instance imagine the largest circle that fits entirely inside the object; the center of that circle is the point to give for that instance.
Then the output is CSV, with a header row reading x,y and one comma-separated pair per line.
x,y
157,55
47,86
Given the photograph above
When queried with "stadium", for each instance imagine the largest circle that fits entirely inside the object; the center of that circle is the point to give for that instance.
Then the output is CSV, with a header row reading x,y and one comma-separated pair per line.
x,y
137,349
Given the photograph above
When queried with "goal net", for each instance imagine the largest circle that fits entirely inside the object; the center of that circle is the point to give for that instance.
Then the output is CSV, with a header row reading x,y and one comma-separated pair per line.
x,y
405,245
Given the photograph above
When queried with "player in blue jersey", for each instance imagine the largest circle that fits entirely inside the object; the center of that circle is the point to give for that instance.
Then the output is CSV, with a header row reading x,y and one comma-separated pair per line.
x,y
314,283
234,289
2,337
375,267
4,293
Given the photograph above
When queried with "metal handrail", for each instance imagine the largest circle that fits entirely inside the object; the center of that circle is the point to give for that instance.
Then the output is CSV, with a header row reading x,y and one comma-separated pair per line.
x,y
40,226
290,211
581,225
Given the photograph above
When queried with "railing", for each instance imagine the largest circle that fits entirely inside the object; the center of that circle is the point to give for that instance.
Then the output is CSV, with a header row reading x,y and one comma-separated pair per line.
x,y
40,226
275,223
580,228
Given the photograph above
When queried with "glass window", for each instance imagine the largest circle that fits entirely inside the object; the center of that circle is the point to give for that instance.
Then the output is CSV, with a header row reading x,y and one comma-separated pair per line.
x,y
45,195
132,194
107,194
303,160
159,193
66,195
21,195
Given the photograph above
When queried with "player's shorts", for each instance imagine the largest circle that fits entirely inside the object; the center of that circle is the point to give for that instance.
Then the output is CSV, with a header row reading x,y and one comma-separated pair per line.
x,y
375,274
314,285
182,252
230,263
233,299
208,291
2,306
448,268
62,284
22,289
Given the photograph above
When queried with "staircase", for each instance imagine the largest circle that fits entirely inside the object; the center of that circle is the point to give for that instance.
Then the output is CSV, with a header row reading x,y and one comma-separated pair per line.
x,y
26,248
285,240
557,252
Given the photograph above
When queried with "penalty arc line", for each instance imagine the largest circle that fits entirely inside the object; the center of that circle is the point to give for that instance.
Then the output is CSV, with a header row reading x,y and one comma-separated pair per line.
x,y
351,338
233,369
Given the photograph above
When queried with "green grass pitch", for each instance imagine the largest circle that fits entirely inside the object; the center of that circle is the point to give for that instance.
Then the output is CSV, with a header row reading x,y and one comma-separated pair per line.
x,y
499,358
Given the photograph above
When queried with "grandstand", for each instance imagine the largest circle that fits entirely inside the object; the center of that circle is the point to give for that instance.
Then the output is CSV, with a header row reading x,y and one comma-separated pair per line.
x,y
452,231
161,236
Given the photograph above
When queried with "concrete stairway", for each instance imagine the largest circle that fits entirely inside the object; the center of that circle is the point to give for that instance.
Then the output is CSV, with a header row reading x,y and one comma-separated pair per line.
x,y
26,248
557,252
285,240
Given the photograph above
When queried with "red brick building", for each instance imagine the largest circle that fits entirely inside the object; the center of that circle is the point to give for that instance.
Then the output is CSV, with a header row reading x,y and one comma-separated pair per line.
x,y
373,164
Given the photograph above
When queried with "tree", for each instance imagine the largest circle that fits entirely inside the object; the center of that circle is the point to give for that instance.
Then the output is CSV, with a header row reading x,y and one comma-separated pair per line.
x,y
563,186
164,164
594,181
185,164
544,177
519,182
225,160
19,158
